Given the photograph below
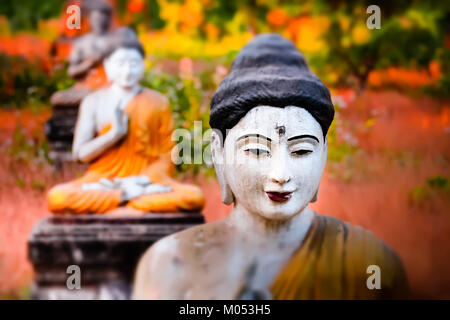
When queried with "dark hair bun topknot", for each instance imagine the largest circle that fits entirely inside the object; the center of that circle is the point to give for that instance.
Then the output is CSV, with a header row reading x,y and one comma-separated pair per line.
x,y
270,71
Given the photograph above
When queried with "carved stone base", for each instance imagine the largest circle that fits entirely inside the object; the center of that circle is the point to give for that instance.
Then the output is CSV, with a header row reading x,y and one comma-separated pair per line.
x,y
60,127
106,249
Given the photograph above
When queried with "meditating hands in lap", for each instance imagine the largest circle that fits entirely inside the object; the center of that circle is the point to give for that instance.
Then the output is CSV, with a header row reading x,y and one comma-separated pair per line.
x,y
131,187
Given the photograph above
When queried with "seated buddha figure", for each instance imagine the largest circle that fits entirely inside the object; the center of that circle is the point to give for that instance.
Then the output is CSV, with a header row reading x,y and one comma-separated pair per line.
x,y
270,117
124,133
85,60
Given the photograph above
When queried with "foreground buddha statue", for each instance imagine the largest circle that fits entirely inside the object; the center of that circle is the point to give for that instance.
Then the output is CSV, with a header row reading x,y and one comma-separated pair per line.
x,y
273,115
124,133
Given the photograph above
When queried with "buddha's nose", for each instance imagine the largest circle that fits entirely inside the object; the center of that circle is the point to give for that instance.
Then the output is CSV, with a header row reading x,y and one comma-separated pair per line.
x,y
279,172
280,179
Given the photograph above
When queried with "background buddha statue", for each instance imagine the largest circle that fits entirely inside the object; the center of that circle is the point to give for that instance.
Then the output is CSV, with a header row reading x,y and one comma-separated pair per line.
x,y
124,133
85,61
86,67
269,149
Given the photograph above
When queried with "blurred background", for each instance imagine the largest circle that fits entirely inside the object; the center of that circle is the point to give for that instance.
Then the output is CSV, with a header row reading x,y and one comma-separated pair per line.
x,y
389,146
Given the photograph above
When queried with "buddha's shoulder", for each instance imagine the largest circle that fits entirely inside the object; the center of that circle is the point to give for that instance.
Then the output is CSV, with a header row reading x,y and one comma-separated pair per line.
x,y
340,261
352,238
156,97
359,248
188,245
93,97
178,260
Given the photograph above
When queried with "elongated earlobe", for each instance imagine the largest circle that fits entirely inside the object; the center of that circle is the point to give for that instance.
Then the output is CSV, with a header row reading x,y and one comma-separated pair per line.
x,y
324,161
314,198
325,153
227,194
217,153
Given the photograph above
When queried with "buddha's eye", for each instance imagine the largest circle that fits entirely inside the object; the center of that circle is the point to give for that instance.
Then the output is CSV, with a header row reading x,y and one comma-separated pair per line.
x,y
301,152
257,151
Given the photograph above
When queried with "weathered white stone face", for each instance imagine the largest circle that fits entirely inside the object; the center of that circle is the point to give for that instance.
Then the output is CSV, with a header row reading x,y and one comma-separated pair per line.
x,y
272,161
125,67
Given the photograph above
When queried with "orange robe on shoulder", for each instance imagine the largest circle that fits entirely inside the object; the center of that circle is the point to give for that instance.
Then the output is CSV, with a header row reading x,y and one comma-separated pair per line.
x,y
332,263
94,79
144,151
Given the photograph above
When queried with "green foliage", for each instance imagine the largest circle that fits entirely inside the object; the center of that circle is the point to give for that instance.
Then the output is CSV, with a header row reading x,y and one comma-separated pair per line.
x,y
38,185
220,12
436,186
24,82
25,14
153,11
177,91
438,183
150,17
442,88
337,150
406,47
22,148
410,38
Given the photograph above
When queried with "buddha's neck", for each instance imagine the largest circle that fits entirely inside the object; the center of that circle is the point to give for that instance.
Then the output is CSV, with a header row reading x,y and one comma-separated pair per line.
x,y
293,229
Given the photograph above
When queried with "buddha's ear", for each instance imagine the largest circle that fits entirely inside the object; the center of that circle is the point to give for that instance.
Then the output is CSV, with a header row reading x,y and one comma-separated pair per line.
x,y
324,161
325,153
218,158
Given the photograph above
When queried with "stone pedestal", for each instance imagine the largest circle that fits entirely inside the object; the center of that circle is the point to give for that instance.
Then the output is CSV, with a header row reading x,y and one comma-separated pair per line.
x,y
59,130
106,249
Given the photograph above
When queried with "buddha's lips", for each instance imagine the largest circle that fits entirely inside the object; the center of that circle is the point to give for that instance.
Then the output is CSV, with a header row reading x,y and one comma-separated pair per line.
x,y
279,196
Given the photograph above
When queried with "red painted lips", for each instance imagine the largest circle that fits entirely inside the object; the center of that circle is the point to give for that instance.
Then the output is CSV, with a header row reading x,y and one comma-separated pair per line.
x,y
279,196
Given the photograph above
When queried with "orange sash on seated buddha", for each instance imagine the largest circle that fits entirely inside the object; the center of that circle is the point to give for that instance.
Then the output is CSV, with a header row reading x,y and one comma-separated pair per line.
x,y
144,151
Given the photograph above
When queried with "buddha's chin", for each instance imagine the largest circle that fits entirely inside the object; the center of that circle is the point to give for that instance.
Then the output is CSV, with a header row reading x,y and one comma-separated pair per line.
x,y
280,211
285,210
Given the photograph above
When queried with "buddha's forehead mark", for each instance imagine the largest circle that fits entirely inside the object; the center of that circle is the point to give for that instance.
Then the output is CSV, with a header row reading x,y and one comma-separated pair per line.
x,y
280,129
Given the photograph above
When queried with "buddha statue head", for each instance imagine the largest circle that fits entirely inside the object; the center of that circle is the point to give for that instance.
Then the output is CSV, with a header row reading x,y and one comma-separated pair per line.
x,y
270,117
124,65
99,15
